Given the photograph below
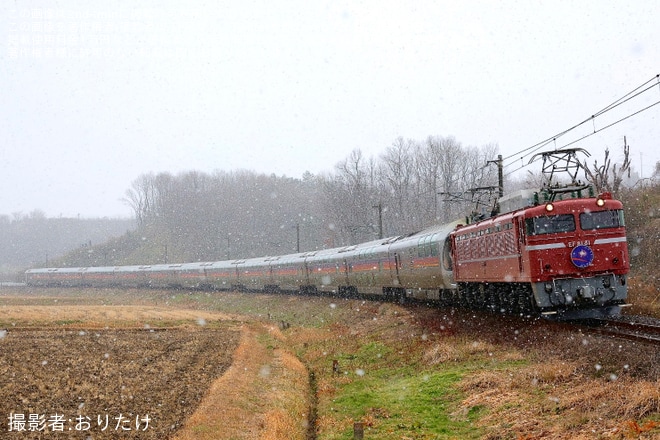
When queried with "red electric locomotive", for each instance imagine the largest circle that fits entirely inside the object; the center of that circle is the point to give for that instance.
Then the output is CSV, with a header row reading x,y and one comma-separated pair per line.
x,y
566,257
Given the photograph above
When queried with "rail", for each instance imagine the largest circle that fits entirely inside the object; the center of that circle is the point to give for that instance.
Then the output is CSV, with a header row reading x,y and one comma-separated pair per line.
x,y
637,328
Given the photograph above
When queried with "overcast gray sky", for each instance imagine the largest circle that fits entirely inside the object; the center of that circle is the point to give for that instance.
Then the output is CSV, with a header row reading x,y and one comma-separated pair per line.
x,y
93,94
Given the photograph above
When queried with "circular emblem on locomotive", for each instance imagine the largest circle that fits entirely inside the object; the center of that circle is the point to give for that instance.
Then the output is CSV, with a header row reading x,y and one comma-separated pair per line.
x,y
582,256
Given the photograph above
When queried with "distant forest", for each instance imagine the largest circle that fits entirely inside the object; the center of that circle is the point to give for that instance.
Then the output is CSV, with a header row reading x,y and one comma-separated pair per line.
x,y
197,216
34,240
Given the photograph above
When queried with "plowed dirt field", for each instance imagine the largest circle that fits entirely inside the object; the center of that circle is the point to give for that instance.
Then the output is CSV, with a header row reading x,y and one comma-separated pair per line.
x,y
105,372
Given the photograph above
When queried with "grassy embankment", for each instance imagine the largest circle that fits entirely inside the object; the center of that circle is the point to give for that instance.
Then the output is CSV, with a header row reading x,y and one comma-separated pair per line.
x,y
422,373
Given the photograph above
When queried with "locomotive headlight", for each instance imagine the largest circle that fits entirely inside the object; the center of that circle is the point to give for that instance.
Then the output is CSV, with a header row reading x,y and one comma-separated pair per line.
x,y
600,202
548,287
549,207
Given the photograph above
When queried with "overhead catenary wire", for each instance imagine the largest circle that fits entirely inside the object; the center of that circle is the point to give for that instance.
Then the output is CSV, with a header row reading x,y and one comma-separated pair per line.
x,y
610,125
612,106
637,91
522,166
609,107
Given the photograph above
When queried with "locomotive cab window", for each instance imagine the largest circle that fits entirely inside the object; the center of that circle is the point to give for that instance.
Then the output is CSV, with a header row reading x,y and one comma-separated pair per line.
x,y
602,219
550,224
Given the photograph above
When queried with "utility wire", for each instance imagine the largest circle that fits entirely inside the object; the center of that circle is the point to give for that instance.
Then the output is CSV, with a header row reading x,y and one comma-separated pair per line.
x,y
598,113
588,135
605,110
625,98
610,125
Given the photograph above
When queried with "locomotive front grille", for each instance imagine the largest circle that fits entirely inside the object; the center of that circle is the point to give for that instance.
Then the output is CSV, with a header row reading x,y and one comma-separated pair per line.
x,y
570,292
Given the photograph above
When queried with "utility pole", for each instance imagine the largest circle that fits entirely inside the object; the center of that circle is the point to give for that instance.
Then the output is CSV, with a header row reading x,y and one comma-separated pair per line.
x,y
500,183
500,174
297,237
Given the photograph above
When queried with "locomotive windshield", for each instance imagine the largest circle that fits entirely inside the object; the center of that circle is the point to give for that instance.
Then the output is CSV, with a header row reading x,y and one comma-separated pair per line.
x,y
550,224
553,224
602,219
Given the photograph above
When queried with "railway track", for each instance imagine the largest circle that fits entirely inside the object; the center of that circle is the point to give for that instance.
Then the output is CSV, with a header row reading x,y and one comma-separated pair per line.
x,y
637,328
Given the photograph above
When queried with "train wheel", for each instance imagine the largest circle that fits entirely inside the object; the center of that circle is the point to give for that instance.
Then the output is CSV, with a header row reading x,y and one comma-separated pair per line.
x,y
467,299
348,292
481,297
501,300
492,299
449,297
525,300
511,303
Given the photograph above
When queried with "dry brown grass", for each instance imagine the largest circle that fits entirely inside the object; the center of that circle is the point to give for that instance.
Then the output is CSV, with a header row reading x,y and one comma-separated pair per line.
x,y
289,416
560,382
227,408
103,316
441,353
329,424
552,399
644,295
263,395
463,349
552,372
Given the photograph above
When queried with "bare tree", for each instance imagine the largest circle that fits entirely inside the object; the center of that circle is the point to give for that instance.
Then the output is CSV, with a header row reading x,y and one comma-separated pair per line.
x,y
194,216
448,154
606,177
350,194
398,181
138,197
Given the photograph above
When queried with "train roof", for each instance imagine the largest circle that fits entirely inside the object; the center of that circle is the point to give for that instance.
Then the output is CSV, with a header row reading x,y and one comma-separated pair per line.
x,y
527,198
539,207
373,246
